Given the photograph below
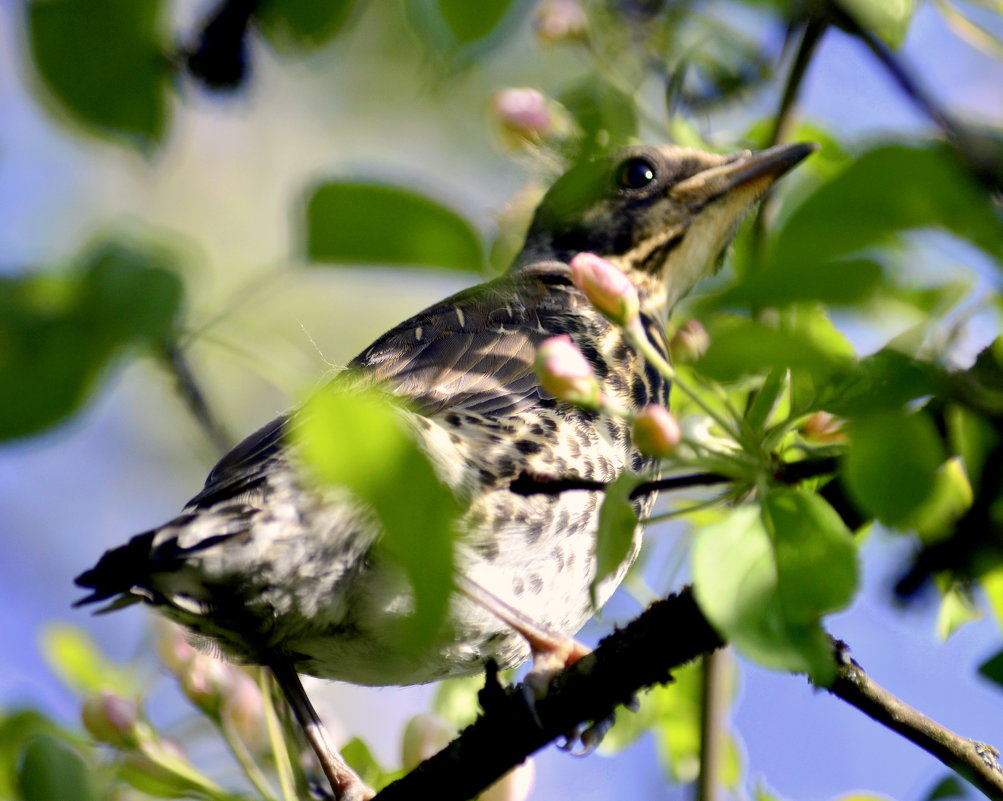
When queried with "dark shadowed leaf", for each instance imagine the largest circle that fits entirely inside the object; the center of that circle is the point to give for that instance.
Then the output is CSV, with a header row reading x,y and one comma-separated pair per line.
x,y
17,729
59,332
843,282
52,771
358,441
105,63
606,115
617,524
891,463
992,669
886,380
303,23
887,190
368,223
948,787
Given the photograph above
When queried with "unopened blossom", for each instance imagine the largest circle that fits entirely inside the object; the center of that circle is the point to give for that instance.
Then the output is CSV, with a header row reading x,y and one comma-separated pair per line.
x,y
689,343
244,709
656,431
206,681
111,719
523,114
557,20
565,373
606,286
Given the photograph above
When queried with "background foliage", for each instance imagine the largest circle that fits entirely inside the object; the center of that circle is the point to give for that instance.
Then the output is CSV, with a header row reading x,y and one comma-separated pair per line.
x,y
211,187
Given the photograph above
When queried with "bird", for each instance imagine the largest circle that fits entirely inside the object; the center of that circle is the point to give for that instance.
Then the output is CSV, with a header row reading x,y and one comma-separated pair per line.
x,y
269,569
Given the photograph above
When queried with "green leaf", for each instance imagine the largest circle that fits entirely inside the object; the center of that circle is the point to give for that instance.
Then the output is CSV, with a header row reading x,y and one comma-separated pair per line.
x,y
75,659
458,31
357,441
606,116
950,497
617,529
844,282
972,437
742,347
105,63
882,382
358,755
956,609
948,787
891,463
60,331
992,669
889,19
456,700
52,771
370,223
888,190
303,23
17,729
765,577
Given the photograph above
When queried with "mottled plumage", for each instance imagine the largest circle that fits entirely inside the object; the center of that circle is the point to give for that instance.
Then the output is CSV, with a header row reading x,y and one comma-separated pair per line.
x,y
278,572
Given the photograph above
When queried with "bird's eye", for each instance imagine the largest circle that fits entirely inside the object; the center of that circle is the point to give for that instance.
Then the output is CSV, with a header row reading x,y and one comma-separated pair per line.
x,y
635,173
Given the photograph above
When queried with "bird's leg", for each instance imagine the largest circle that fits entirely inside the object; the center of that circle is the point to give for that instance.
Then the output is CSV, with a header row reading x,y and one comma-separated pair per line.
x,y
552,652
345,782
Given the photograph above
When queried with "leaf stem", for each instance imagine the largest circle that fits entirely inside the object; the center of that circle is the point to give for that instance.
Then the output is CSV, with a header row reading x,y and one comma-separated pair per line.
x,y
280,752
239,749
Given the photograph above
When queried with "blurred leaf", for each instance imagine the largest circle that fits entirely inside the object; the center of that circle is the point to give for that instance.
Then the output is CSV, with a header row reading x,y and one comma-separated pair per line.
x,y
357,441
890,189
992,585
889,19
303,23
948,787
52,771
884,381
992,669
972,437
757,589
75,659
950,497
746,347
617,525
956,609
606,116
59,332
358,755
891,463
105,63
844,282
459,31
17,729
456,700
369,223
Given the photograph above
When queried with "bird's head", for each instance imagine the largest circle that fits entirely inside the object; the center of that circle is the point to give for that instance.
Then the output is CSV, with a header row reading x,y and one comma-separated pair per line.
x,y
663,215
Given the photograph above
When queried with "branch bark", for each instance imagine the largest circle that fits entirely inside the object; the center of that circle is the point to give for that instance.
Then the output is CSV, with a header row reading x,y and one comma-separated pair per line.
x,y
670,633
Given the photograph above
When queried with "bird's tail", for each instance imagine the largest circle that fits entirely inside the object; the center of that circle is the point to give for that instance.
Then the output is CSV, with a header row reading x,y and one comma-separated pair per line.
x,y
120,572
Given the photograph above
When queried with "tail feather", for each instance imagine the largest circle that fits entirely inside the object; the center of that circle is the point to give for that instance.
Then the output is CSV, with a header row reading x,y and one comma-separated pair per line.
x,y
118,572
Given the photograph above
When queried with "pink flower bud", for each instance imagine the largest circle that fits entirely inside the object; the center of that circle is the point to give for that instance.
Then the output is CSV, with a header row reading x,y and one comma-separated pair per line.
x,y
516,785
524,115
823,427
111,719
206,681
244,708
606,286
424,735
689,343
565,373
656,431
173,647
557,20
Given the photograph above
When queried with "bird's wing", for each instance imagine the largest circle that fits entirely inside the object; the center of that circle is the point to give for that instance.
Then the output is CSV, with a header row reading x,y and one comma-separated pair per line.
x,y
473,351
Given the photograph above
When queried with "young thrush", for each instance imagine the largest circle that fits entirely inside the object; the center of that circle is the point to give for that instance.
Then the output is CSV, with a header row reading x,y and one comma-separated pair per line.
x,y
272,570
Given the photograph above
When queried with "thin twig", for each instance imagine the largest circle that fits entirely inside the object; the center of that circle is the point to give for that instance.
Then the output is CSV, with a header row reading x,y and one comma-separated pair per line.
x,y
715,700
978,762
194,398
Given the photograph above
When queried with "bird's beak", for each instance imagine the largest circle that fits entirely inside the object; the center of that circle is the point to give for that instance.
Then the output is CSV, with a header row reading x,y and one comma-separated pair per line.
x,y
753,172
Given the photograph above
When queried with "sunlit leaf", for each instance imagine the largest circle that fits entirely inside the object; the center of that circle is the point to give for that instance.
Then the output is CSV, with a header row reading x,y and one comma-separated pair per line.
x,y
891,463
52,771
606,115
889,19
59,332
972,437
106,64
456,700
353,222
303,23
75,658
950,497
617,526
741,579
956,609
458,31
357,442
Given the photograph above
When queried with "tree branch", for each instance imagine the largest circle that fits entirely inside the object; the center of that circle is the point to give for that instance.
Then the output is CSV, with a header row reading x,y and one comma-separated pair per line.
x,y
977,762
668,634
193,397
